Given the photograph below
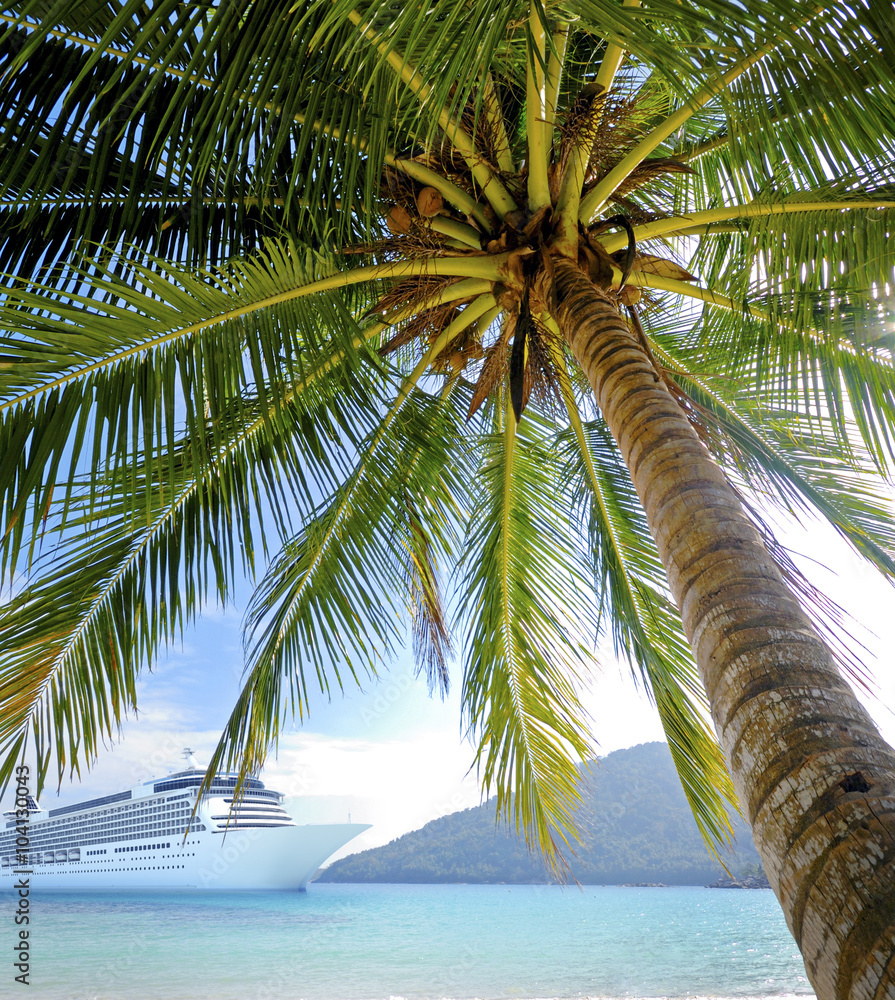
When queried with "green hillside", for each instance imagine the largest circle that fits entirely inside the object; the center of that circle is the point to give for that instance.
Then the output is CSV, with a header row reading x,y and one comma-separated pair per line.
x,y
635,823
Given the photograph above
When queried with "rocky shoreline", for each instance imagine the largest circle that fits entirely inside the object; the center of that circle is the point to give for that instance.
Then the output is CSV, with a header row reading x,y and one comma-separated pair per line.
x,y
747,882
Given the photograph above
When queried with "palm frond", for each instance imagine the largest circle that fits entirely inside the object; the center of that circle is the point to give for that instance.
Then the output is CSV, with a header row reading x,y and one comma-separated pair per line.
x,y
83,376
531,630
136,556
197,106
332,608
791,460
820,277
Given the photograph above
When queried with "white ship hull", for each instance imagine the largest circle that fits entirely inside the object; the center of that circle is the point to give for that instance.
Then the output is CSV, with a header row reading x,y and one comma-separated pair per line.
x,y
285,859
156,837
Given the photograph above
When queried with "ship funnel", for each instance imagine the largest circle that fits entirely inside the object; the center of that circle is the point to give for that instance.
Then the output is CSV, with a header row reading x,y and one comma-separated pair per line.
x,y
190,759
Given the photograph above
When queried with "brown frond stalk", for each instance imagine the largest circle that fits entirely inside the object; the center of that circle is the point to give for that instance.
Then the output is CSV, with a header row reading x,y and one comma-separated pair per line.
x,y
428,324
495,366
545,382
411,292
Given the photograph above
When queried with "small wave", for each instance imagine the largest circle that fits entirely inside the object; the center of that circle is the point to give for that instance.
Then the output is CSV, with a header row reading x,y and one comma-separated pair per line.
x,y
627,996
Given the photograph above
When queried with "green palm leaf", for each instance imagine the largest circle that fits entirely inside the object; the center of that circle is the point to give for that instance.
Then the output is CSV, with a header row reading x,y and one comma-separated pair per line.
x,y
100,603
337,599
793,469
530,635
85,376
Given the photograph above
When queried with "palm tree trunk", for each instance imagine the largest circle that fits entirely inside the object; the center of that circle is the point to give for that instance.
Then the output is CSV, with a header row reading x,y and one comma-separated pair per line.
x,y
815,779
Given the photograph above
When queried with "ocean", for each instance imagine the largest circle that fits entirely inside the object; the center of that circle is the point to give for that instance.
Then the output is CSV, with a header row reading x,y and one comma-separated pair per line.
x,y
419,942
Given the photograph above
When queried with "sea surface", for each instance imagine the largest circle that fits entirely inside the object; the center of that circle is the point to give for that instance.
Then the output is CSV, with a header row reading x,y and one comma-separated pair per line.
x,y
419,942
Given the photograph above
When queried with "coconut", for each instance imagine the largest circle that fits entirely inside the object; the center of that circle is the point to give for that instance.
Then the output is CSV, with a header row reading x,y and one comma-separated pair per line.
x,y
429,202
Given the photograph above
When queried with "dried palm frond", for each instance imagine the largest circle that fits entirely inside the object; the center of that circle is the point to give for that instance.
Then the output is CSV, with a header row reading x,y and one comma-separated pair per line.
x,y
444,159
495,366
545,386
412,292
588,109
429,324
623,123
397,187
479,123
419,241
650,170
457,355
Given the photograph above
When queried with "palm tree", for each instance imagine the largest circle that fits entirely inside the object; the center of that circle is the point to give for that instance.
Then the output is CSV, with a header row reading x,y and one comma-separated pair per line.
x,y
546,294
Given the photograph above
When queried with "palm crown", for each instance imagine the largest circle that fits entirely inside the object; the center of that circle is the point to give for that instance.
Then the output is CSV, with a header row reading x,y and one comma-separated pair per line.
x,y
290,278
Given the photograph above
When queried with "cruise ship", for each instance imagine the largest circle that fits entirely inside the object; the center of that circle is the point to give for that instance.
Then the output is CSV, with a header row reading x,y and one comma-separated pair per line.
x,y
153,837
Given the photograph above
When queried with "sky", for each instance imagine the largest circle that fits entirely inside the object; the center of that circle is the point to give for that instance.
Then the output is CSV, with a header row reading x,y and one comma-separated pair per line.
x,y
391,755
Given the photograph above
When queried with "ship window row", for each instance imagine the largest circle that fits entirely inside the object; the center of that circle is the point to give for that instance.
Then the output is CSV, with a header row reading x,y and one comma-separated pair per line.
x,y
261,813
258,794
168,817
138,817
136,868
36,858
94,871
65,829
62,827
46,841
218,784
91,804
136,829
42,858
130,812
266,807
250,826
237,817
112,821
141,847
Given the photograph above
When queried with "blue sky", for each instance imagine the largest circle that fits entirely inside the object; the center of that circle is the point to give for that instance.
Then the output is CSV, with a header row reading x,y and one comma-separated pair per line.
x,y
392,756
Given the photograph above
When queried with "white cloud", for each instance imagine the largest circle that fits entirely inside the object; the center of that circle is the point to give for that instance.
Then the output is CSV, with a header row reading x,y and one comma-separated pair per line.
x,y
396,785
622,714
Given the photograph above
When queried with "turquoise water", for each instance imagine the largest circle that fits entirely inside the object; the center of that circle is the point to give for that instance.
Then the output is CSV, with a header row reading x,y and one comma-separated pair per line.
x,y
353,942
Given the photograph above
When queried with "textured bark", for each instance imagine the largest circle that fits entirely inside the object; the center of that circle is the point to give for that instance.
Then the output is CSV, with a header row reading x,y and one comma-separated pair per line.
x,y
815,779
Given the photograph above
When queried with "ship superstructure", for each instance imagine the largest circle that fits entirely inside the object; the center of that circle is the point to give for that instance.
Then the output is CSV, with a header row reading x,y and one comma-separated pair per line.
x,y
151,837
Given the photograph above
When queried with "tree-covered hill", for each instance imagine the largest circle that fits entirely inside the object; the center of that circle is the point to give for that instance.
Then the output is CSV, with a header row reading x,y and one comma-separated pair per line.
x,y
636,827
